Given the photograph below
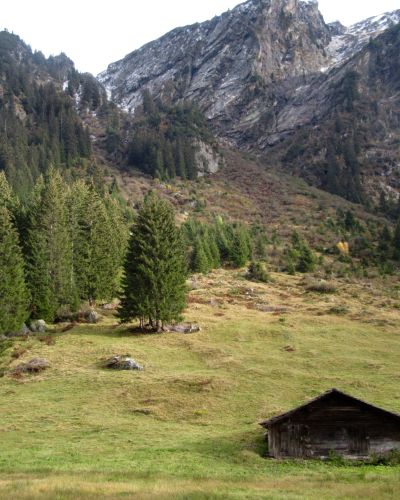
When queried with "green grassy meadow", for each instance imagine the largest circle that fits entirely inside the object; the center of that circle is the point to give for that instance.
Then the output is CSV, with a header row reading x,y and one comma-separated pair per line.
x,y
187,426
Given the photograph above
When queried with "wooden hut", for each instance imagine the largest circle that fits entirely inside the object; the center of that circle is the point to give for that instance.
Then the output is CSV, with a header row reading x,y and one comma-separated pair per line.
x,y
333,423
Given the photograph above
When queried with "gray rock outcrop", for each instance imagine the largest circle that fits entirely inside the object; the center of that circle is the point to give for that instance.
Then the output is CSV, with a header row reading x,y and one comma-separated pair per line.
x,y
35,365
38,326
92,317
267,71
122,363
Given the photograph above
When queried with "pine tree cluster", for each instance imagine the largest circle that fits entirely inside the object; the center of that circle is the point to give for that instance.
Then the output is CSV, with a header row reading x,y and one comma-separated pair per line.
x,y
164,138
39,123
211,245
299,256
372,245
63,246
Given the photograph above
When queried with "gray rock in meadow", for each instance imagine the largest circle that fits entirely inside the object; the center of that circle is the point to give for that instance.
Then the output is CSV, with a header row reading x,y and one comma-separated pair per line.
x,y
122,363
92,317
184,328
23,332
38,326
35,365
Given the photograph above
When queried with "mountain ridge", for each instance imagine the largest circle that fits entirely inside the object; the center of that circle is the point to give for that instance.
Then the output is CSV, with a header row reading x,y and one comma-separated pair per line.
x,y
261,72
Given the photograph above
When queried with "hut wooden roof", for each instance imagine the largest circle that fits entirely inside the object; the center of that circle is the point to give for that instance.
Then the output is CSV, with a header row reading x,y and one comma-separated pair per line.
x,y
326,395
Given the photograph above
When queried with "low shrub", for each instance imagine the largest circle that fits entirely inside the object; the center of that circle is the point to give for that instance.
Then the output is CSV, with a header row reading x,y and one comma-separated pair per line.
x,y
257,272
338,310
321,286
390,458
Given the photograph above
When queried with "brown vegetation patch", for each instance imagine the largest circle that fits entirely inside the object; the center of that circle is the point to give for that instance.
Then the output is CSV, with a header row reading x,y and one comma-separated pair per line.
x,y
18,352
48,340
194,299
320,286
35,365
289,348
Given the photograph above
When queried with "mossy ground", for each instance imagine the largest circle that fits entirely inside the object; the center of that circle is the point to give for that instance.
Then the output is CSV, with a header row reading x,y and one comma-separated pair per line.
x,y
187,426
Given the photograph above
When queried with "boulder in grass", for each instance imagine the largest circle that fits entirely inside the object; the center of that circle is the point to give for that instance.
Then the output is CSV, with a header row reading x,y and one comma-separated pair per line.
x,y
92,317
184,328
35,365
23,332
38,326
122,363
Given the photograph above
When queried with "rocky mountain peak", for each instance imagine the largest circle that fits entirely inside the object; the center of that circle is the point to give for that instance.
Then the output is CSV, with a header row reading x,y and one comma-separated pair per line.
x,y
347,41
267,71
213,63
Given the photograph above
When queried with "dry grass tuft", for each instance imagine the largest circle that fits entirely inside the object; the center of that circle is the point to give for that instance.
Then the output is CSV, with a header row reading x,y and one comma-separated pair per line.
x,y
320,286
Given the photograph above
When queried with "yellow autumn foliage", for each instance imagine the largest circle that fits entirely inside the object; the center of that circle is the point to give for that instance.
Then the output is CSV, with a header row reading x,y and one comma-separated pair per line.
x,y
343,247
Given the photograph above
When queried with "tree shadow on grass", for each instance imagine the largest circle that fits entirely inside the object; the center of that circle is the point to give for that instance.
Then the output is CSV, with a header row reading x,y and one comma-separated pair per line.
x,y
114,331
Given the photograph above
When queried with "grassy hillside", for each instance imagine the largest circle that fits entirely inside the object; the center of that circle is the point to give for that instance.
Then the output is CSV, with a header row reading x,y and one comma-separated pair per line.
x,y
187,426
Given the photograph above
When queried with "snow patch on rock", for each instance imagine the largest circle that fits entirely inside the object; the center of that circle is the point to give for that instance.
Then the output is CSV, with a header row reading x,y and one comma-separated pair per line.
x,y
356,37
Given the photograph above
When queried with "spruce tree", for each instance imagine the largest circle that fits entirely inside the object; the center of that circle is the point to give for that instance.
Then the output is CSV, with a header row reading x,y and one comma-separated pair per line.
x,y
240,251
154,288
300,257
7,198
13,291
49,249
200,261
214,250
307,259
99,240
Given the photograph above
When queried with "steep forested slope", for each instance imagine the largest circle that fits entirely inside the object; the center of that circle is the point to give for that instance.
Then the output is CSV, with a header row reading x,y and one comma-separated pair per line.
x,y
353,149
39,122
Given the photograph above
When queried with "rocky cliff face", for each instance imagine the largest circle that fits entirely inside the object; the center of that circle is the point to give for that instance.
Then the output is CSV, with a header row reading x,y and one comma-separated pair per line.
x,y
224,64
263,71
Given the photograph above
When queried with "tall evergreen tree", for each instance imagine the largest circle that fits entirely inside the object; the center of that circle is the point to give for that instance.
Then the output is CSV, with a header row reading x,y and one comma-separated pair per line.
x,y
154,288
213,248
13,291
307,259
200,262
240,250
99,242
7,198
50,269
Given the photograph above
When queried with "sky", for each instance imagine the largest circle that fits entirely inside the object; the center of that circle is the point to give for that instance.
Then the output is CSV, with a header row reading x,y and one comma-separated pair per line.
x,y
94,33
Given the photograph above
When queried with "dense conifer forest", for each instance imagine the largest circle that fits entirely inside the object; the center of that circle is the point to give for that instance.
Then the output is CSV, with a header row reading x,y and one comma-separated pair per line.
x,y
165,139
